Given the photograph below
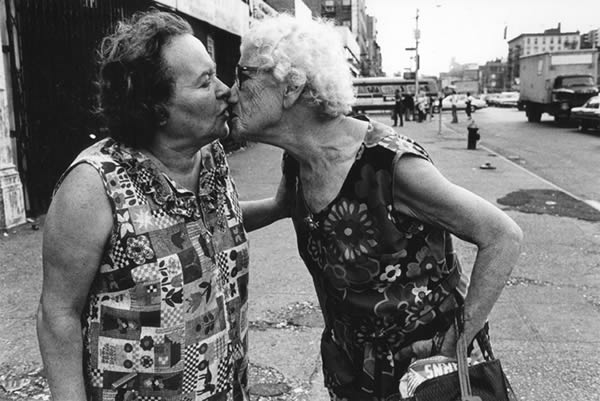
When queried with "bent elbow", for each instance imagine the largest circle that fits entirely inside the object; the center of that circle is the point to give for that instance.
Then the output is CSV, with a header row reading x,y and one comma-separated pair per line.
x,y
514,235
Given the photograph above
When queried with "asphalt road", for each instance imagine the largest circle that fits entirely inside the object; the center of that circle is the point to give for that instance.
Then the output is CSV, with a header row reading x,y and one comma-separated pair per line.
x,y
559,154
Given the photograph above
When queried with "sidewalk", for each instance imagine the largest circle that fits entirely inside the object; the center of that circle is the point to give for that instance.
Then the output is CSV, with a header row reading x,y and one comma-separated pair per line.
x,y
544,328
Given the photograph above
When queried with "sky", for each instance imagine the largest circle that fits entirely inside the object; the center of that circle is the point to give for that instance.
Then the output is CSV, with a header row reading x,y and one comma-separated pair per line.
x,y
471,31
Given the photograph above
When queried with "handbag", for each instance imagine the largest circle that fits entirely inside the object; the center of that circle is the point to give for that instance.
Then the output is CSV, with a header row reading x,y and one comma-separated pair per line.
x,y
484,381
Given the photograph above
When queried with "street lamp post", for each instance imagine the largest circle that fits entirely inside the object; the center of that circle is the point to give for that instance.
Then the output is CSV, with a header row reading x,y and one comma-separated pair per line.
x,y
417,61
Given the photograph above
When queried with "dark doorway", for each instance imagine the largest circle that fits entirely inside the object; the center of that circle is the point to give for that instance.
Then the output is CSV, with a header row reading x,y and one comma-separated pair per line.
x,y
53,46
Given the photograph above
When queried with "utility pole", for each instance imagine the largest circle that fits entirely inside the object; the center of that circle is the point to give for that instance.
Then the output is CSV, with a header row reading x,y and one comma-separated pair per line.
x,y
417,61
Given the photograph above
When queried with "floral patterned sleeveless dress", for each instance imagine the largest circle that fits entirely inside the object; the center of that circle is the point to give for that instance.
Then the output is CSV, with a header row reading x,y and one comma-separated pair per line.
x,y
167,312
384,279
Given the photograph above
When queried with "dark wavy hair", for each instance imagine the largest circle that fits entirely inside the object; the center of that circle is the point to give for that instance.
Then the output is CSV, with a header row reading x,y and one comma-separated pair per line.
x,y
134,82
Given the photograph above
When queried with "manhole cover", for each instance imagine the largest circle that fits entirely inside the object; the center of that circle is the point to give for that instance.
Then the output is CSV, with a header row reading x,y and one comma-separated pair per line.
x,y
548,201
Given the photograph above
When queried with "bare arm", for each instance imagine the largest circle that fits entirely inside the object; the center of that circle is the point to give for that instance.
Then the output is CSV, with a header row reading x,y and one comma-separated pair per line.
x,y
77,226
424,193
260,213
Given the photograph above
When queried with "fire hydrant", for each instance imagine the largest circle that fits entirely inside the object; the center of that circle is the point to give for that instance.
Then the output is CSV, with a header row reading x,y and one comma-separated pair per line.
x,y
473,136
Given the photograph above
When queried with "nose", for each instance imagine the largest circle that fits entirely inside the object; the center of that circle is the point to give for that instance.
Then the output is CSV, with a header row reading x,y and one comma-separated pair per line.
x,y
233,94
223,91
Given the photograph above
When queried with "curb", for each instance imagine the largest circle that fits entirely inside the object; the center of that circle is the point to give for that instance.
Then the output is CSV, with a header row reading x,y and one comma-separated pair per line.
x,y
591,203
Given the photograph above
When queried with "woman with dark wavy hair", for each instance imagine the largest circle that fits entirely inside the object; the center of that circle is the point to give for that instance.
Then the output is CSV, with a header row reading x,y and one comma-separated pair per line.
x,y
145,253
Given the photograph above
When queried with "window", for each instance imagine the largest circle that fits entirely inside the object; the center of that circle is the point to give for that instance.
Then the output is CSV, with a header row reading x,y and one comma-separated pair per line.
x,y
329,6
346,2
528,40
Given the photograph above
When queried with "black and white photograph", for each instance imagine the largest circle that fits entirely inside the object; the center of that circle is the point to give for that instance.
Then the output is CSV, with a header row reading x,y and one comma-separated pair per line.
x,y
299,200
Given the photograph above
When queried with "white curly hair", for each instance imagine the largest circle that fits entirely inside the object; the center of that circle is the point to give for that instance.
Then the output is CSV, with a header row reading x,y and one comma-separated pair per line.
x,y
304,52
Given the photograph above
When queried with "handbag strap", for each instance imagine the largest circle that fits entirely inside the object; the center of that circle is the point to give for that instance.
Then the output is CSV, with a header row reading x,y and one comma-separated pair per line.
x,y
461,358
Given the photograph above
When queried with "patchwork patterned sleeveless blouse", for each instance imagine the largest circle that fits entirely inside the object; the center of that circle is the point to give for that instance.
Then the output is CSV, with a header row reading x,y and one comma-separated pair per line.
x,y
167,311
384,279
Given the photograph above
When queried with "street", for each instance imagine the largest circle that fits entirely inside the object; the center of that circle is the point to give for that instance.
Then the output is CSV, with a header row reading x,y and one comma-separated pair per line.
x,y
560,154
544,327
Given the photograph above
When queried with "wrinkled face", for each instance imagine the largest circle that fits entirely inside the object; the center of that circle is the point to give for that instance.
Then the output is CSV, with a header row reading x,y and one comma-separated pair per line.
x,y
198,107
256,100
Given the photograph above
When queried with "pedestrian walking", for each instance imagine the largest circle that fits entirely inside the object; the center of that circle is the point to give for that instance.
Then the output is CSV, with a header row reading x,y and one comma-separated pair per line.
x,y
453,102
430,106
409,106
145,256
398,110
373,216
469,105
421,108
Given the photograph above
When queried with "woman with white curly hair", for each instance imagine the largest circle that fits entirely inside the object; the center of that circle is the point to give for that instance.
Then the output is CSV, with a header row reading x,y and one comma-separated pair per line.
x,y
373,216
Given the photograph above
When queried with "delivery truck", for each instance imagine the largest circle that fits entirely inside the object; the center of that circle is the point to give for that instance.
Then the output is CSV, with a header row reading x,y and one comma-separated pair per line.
x,y
556,82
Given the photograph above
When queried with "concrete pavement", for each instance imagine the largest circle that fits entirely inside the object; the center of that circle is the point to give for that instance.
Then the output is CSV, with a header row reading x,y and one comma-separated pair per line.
x,y
544,328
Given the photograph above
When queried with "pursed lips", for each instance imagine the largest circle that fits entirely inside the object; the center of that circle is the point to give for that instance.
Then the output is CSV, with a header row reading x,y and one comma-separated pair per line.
x,y
226,112
231,112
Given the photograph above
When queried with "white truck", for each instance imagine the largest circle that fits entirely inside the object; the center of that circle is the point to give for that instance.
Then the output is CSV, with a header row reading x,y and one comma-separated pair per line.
x,y
556,82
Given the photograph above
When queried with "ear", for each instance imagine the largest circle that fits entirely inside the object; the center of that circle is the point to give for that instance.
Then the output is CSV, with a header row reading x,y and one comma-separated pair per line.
x,y
291,94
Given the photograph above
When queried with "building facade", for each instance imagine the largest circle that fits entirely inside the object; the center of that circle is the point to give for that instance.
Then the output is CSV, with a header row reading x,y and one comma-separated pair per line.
x,y
48,92
351,14
12,203
374,59
525,44
493,76
591,39
314,6
297,8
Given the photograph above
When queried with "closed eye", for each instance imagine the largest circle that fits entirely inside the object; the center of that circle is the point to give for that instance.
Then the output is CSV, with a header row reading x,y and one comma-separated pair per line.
x,y
207,80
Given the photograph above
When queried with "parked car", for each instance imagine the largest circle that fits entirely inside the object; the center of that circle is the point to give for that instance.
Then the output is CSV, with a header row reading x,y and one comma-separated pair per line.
x,y
588,115
507,99
491,98
461,102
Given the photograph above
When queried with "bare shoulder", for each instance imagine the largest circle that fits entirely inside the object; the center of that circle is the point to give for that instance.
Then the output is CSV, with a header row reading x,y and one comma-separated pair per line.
x,y
77,228
80,212
413,171
83,183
